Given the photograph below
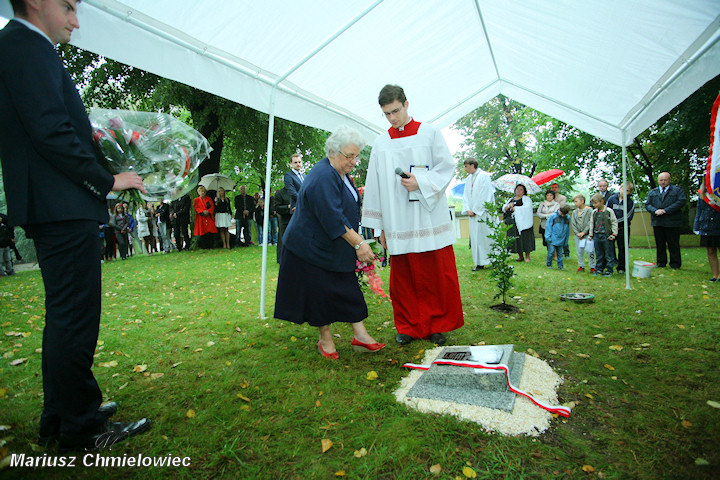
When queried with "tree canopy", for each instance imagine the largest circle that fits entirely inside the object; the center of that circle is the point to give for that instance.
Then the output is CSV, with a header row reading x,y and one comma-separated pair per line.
x,y
508,137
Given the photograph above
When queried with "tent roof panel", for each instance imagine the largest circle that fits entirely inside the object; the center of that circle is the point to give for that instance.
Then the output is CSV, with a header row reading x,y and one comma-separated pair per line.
x,y
603,66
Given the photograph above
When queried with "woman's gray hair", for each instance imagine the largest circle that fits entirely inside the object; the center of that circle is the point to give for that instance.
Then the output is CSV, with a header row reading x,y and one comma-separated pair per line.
x,y
341,138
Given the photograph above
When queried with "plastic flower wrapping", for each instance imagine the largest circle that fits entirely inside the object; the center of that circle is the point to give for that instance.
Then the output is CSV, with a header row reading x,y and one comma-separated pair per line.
x,y
164,151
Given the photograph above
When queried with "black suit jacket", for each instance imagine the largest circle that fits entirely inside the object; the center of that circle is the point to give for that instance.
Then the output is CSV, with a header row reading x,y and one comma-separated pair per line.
x,y
292,184
50,164
242,203
672,202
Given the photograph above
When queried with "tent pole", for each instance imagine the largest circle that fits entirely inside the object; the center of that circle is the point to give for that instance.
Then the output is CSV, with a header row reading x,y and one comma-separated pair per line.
x,y
626,237
266,214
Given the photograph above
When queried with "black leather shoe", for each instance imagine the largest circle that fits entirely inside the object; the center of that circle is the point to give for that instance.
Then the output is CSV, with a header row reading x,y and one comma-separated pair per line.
x,y
50,435
110,434
108,409
438,339
403,339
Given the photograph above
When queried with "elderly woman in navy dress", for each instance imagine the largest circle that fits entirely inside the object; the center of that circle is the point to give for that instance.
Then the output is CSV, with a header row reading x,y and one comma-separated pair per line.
x,y
317,282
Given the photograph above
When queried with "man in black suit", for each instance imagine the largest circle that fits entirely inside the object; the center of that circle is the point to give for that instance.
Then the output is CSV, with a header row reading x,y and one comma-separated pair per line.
x,y
665,206
180,218
56,189
293,178
244,208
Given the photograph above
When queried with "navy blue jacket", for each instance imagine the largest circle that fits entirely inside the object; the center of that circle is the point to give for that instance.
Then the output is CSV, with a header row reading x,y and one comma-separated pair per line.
x,y
707,220
615,204
50,163
292,184
672,202
325,207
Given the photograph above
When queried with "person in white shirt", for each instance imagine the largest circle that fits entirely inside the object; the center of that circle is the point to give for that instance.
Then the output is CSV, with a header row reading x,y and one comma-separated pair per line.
x,y
479,190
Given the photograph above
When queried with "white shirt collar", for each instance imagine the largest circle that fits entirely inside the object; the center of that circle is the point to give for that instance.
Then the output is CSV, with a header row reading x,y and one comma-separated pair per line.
x,y
34,28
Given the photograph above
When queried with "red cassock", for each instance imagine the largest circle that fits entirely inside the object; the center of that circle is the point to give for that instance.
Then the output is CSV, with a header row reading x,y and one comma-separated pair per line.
x,y
204,224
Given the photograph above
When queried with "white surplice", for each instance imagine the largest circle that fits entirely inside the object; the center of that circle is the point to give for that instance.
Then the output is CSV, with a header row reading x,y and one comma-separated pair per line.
x,y
416,226
479,190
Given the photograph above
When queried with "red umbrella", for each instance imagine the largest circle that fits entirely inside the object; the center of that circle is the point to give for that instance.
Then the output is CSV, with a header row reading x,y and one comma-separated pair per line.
x,y
544,177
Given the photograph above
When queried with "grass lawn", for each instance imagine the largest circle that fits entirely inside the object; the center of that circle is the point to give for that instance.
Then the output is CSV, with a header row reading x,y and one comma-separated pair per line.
x,y
251,398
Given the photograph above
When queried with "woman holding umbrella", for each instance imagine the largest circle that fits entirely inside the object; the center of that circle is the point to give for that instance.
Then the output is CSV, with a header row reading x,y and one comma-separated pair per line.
x,y
223,216
521,209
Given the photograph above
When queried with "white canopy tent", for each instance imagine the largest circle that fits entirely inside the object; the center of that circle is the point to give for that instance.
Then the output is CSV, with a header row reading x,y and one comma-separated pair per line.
x,y
608,67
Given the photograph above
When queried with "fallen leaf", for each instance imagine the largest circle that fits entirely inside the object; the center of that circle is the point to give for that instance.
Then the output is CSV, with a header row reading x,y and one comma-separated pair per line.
x,y
569,330
243,397
609,367
155,376
436,469
589,396
372,375
4,391
20,361
686,424
293,339
681,327
701,462
583,355
139,368
190,413
599,335
617,348
360,453
210,343
175,364
197,350
709,402
111,363
469,472
552,352
326,444
317,403
244,384
340,473
588,468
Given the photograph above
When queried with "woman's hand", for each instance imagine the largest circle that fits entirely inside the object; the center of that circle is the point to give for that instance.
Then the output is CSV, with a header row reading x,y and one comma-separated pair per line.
x,y
365,253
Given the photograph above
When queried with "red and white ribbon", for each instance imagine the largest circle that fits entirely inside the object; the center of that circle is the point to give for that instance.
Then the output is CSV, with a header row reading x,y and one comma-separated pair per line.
x,y
560,410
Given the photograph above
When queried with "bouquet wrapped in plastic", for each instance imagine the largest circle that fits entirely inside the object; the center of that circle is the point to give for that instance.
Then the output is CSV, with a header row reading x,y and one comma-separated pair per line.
x,y
164,151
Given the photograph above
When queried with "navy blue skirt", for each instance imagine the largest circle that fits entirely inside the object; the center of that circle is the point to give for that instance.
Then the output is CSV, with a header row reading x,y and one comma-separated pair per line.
x,y
306,293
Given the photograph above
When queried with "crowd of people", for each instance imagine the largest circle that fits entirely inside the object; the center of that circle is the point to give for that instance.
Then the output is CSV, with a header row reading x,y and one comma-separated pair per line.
x,y
599,230
163,227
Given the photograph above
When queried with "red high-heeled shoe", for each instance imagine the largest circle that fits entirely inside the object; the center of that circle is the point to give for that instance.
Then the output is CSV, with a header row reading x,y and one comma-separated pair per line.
x,y
358,346
333,356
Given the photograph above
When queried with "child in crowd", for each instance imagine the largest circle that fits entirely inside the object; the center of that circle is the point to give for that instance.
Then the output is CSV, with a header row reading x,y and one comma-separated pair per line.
x,y
603,229
580,223
557,231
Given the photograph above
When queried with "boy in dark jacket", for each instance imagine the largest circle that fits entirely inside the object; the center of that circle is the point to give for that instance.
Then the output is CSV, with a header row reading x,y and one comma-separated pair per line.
x,y
603,230
557,231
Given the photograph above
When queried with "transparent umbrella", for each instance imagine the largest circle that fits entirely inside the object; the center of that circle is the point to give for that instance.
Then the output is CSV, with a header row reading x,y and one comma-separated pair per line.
x,y
508,182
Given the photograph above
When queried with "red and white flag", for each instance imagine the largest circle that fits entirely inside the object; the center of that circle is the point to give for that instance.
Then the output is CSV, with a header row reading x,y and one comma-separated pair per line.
x,y
712,174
